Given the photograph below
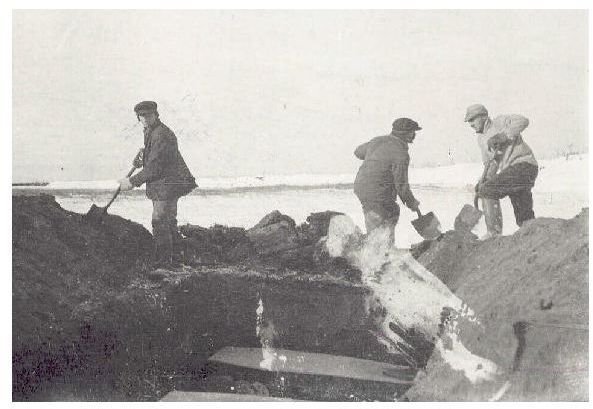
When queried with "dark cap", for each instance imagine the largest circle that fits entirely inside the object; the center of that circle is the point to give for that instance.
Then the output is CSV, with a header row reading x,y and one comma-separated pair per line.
x,y
405,125
145,107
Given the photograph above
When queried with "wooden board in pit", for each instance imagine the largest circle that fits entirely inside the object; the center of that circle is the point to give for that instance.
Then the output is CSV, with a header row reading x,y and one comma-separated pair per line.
x,y
284,360
180,396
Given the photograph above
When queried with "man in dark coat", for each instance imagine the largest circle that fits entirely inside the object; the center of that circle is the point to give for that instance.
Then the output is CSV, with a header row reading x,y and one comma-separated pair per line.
x,y
166,175
384,175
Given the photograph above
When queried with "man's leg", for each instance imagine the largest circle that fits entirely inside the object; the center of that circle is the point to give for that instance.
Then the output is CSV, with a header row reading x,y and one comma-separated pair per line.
x,y
491,207
391,222
522,206
372,220
163,216
384,215
514,180
175,236
492,216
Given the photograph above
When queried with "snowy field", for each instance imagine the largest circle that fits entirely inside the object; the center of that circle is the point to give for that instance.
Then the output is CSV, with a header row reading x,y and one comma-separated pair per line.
x,y
561,191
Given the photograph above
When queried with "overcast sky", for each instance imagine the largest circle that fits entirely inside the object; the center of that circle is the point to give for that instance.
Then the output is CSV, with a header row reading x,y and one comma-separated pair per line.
x,y
287,92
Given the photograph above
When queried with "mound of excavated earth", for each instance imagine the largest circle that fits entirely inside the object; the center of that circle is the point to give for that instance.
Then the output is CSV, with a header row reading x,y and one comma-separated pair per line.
x,y
529,292
92,321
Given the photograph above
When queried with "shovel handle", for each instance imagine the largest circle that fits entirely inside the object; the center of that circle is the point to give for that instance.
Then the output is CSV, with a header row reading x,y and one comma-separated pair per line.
x,y
119,189
131,171
476,202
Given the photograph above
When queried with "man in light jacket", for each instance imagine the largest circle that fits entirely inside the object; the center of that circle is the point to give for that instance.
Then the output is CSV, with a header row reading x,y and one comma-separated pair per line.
x,y
167,178
517,167
383,176
478,118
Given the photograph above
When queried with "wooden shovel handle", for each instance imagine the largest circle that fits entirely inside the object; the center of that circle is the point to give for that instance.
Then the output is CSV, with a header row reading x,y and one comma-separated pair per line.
x,y
119,189
483,179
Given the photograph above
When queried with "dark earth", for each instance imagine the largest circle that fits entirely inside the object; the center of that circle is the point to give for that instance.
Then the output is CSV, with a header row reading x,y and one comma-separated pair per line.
x,y
93,322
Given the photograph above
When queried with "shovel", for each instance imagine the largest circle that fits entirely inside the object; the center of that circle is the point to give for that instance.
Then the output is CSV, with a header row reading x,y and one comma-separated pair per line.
x,y
427,226
96,213
469,216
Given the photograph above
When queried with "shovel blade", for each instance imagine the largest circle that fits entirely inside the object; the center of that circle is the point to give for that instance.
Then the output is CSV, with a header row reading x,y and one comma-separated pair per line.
x,y
427,226
95,214
467,219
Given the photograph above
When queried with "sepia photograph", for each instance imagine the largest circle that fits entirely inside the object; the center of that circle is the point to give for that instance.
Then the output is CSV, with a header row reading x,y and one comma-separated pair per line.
x,y
313,205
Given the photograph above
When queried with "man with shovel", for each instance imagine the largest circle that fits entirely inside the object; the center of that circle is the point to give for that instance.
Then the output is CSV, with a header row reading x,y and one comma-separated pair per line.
x,y
516,164
478,118
167,178
383,176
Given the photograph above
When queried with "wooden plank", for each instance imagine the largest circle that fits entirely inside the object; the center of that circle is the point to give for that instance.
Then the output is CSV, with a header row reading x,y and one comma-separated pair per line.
x,y
283,360
181,396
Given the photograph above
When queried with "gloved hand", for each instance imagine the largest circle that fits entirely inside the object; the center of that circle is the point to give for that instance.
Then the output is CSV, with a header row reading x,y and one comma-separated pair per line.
x,y
498,142
139,159
479,187
415,207
125,184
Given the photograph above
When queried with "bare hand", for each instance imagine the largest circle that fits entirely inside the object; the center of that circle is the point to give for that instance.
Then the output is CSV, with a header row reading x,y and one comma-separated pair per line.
x,y
125,184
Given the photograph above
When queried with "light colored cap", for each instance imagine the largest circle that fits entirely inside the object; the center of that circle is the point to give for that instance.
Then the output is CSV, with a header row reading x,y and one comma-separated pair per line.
x,y
475,110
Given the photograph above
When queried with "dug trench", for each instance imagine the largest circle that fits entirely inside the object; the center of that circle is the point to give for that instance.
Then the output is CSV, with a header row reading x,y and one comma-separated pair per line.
x,y
93,322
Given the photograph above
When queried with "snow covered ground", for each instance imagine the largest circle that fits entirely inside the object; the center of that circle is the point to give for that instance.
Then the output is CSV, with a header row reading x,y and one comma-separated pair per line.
x,y
561,190
555,175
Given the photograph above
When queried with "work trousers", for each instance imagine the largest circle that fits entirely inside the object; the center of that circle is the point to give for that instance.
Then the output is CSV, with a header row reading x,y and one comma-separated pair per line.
x,y
164,228
492,216
491,207
516,182
381,215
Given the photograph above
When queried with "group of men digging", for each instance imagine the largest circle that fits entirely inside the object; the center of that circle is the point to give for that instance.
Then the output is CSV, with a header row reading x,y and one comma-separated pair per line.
x,y
510,170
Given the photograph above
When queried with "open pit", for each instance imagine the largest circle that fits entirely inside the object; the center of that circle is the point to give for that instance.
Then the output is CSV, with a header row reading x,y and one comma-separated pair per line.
x,y
92,321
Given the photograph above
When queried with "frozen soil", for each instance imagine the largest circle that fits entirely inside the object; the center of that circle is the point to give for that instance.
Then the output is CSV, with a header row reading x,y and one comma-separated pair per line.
x,y
530,293
92,321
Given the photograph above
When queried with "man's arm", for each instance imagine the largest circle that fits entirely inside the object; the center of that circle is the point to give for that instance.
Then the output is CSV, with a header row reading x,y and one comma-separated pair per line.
x,y
361,151
138,160
400,179
161,153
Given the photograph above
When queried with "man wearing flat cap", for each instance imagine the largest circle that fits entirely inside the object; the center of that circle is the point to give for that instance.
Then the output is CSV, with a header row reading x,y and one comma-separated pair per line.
x,y
478,118
516,164
167,178
383,176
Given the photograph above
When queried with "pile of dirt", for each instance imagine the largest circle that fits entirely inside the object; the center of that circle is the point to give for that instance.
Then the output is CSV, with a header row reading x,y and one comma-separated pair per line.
x,y
92,322
86,309
443,255
275,242
64,268
59,260
529,292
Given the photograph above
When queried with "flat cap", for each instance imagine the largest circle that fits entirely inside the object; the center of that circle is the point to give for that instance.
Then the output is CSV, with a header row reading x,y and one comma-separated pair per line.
x,y
405,125
475,110
145,107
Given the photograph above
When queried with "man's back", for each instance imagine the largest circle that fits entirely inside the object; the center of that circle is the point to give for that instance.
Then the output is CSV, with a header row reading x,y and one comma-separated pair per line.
x,y
165,172
380,155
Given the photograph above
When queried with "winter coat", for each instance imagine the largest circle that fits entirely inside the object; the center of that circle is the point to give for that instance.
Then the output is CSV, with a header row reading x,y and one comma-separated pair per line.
x,y
165,173
516,151
384,173
487,133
